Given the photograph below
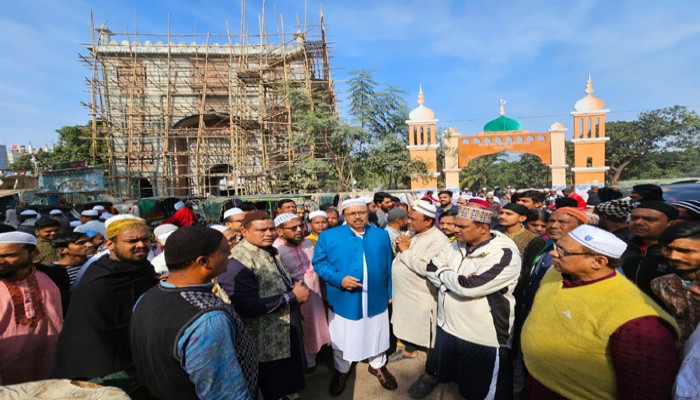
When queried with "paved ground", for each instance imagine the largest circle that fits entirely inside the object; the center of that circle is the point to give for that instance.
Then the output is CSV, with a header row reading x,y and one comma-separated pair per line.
x,y
363,386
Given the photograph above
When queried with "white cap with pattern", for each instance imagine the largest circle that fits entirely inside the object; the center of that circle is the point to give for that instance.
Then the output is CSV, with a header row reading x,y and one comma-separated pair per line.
x,y
598,240
318,213
284,217
17,238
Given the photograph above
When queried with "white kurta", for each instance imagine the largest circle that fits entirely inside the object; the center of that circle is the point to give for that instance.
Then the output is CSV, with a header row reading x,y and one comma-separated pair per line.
x,y
364,338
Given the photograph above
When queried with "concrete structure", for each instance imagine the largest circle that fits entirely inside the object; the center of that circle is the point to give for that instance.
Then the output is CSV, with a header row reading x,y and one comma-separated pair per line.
x,y
506,134
207,113
422,144
589,139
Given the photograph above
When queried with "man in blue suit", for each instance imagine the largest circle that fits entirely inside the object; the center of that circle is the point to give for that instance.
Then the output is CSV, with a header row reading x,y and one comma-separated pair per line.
x,y
355,262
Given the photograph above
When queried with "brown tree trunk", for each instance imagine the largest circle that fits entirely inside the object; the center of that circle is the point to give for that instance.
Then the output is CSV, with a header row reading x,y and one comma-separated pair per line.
x,y
617,171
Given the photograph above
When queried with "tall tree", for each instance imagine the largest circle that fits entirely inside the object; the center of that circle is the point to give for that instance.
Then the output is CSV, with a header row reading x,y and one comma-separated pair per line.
x,y
361,87
656,131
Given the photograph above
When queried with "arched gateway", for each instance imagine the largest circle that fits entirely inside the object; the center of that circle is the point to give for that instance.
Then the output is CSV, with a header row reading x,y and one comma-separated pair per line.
x,y
506,134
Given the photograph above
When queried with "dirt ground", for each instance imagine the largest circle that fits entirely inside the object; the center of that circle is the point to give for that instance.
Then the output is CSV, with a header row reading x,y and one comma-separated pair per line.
x,y
363,386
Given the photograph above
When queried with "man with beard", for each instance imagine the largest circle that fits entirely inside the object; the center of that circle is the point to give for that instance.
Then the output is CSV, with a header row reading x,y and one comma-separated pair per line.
x,y
30,312
643,260
414,300
296,254
266,296
233,218
447,223
384,203
354,260
94,344
681,248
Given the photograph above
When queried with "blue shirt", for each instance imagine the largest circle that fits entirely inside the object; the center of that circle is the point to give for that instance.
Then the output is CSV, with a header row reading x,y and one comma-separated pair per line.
x,y
207,351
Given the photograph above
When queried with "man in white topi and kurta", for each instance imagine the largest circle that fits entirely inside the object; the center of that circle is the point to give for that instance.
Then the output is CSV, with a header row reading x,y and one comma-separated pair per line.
x,y
355,262
414,297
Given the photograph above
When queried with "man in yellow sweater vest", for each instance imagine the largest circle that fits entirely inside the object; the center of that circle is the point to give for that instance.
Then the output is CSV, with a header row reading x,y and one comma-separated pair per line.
x,y
592,334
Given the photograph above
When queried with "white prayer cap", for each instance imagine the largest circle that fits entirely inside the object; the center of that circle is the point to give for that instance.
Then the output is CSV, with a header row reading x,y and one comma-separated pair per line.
x,y
598,240
232,211
284,217
105,216
164,237
359,201
220,228
89,213
27,213
179,205
121,217
465,196
17,238
55,212
98,208
425,208
318,213
489,194
163,229
75,223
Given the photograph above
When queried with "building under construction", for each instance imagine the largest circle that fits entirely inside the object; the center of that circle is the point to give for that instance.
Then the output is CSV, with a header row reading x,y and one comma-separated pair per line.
x,y
200,114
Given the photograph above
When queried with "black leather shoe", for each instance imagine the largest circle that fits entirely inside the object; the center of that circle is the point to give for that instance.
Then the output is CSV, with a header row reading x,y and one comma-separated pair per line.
x,y
338,383
421,388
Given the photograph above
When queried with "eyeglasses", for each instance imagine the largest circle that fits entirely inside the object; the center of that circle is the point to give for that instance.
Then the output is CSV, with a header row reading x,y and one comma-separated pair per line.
x,y
293,228
563,253
356,213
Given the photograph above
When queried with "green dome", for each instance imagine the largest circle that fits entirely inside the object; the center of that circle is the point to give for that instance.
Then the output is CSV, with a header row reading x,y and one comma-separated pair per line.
x,y
501,124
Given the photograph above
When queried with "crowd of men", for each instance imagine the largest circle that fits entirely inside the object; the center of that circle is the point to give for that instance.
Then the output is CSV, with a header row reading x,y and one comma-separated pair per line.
x,y
511,294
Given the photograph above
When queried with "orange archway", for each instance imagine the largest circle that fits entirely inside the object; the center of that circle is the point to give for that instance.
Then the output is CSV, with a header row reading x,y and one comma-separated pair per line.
x,y
485,143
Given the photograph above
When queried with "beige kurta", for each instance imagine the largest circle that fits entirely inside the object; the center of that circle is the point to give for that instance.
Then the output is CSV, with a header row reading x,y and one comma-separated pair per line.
x,y
414,299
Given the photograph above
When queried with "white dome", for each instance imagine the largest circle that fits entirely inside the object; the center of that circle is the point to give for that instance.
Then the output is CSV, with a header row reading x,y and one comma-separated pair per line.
x,y
557,126
421,113
590,102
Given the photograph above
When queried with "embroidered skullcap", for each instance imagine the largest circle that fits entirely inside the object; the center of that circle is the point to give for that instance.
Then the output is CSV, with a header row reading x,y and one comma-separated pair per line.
x,y
55,212
425,208
232,211
27,213
186,244
396,213
121,223
89,213
615,208
179,205
649,192
479,202
163,229
598,240
476,214
220,228
574,212
75,223
359,201
693,207
17,238
318,213
105,216
517,208
284,217
98,208
661,207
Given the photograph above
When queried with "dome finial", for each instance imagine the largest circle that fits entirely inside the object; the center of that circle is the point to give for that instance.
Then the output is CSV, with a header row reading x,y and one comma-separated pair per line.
x,y
421,98
589,85
502,110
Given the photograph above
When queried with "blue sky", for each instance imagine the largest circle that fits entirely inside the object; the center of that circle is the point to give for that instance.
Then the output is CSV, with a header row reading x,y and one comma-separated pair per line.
x,y
467,55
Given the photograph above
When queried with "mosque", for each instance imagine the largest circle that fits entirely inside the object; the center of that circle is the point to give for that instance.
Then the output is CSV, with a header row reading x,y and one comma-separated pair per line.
x,y
507,134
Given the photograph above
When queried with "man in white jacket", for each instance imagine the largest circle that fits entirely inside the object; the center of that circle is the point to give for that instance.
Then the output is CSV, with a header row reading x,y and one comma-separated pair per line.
x,y
475,276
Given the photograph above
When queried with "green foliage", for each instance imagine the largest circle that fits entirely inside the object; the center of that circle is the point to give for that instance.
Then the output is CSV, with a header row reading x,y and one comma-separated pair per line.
x,y
639,144
74,144
495,169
